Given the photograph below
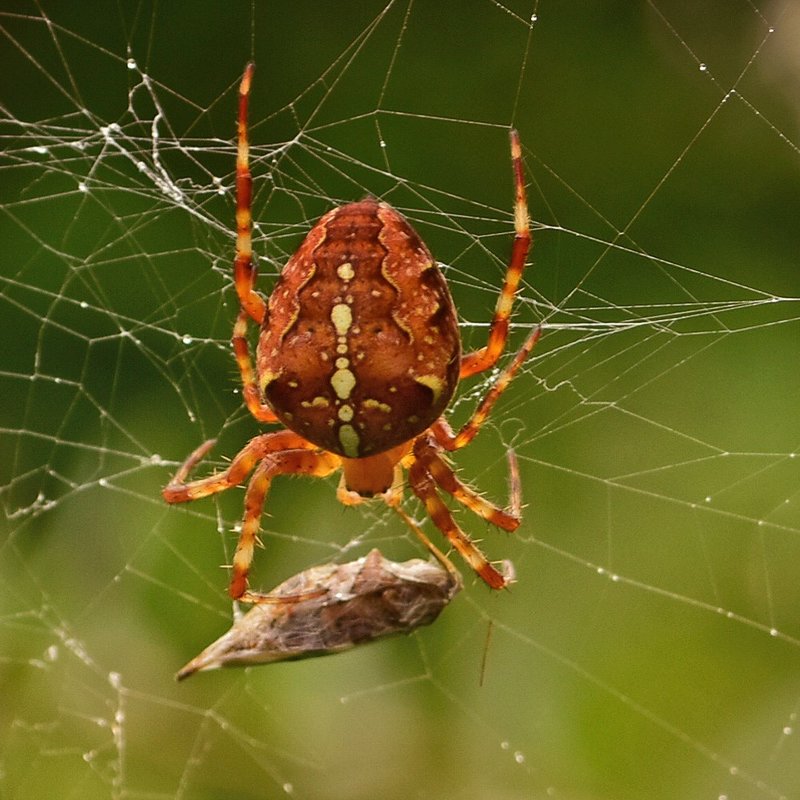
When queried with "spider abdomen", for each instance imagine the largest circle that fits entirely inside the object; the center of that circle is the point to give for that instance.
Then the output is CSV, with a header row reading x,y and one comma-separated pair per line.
x,y
360,349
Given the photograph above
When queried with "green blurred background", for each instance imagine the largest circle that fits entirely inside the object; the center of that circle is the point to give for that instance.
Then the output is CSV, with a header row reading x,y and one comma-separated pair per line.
x,y
651,646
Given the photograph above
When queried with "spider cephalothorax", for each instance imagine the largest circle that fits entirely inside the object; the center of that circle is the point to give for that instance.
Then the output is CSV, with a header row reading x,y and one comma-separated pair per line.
x,y
358,357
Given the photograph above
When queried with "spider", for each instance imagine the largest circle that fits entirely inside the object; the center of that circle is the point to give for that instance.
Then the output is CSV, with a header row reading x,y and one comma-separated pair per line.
x,y
358,356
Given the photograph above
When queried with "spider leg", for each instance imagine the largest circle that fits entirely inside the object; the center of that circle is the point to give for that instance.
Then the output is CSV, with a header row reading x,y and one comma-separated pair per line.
x,y
178,490
250,391
422,484
444,477
243,270
285,462
437,553
454,441
280,453
514,485
486,357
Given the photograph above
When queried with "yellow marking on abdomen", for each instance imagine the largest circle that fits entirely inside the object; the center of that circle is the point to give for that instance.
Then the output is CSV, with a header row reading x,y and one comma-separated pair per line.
x,y
342,318
343,382
349,440
372,403
345,271
266,378
432,382
318,402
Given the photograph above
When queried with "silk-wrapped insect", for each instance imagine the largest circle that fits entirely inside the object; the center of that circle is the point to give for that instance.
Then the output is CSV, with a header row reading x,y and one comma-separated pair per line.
x,y
334,607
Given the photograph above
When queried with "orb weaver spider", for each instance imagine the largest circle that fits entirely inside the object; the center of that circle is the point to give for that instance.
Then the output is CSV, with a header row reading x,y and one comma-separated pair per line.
x,y
358,356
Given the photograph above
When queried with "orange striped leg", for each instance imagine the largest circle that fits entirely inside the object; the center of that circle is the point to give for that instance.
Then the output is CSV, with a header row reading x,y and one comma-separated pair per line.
x,y
244,274
287,462
178,490
423,486
250,391
487,356
454,441
445,478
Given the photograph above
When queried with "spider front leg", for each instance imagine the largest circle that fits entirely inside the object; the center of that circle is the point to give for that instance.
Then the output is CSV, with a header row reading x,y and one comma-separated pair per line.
x,y
289,462
428,453
178,490
486,357
455,575
280,453
422,484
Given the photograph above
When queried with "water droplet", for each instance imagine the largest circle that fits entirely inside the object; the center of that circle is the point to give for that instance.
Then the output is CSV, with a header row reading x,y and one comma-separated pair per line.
x,y
131,63
187,339
703,68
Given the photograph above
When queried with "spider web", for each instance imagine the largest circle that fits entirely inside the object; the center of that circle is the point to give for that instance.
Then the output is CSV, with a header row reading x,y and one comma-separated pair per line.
x,y
651,646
